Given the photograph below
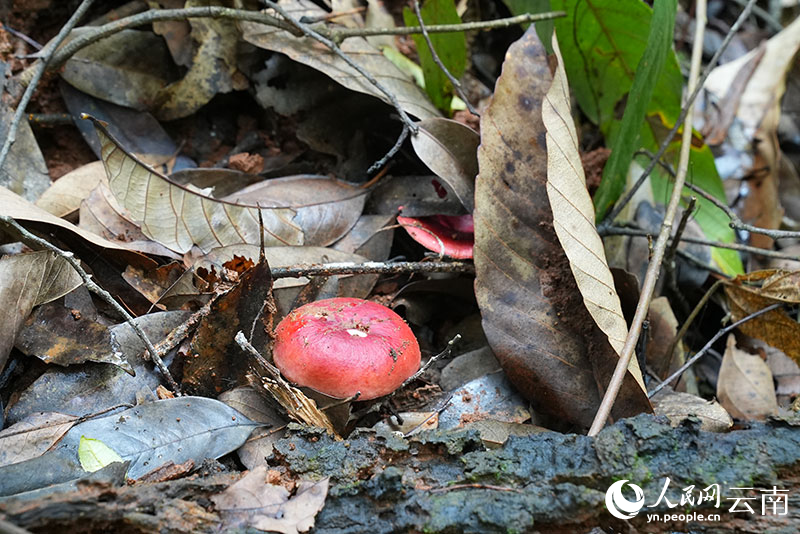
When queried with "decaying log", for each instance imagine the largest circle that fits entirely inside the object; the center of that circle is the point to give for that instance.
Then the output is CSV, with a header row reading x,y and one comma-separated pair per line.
x,y
448,482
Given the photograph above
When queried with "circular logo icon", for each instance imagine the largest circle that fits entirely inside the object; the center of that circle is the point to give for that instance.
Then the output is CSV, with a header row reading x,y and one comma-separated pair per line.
x,y
621,507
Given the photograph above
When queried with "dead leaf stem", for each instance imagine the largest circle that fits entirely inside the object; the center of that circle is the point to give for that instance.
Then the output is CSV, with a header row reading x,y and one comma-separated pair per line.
x,y
653,269
37,242
708,346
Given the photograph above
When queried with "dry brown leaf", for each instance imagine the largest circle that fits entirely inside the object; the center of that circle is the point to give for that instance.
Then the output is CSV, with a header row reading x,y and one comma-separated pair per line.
x,y
533,313
33,436
744,386
28,280
178,217
677,407
252,502
573,216
755,291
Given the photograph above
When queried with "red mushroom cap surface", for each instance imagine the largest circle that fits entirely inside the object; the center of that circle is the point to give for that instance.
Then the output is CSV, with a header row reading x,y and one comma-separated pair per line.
x,y
450,235
341,346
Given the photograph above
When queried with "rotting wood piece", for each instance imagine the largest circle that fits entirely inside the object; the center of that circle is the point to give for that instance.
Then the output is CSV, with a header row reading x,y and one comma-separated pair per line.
x,y
447,482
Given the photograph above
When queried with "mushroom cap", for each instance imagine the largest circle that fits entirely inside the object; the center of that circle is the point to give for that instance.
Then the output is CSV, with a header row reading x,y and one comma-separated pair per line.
x,y
342,346
450,235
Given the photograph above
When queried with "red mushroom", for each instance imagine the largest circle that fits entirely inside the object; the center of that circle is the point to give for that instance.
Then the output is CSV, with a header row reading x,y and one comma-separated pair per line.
x,y
449,235
342,346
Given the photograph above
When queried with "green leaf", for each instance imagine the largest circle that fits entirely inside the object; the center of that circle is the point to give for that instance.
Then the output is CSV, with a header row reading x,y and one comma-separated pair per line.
x,y
450,47
623,145
544,28
94,454
603,43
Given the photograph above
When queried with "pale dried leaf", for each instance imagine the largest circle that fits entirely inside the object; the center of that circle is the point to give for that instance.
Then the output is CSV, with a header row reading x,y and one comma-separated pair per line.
x,y
178,218
65,195
253,502
573,216
677,407
450,150
33,436
745,386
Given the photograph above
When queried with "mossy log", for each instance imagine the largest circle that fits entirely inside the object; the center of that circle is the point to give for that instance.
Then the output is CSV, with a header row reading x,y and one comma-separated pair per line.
x,y
448,482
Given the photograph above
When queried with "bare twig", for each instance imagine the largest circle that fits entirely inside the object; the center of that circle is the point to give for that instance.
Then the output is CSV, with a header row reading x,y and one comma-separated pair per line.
x,y
653,269
622,202
95,34
440,64
373,267
692,316
11,134
617,230
433,359
736,222
36,241
339,34
669,257
708,345
378,165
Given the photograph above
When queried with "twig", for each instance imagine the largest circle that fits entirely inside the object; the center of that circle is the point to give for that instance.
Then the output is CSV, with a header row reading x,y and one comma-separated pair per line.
x,y
333,47
617,230
22,36
708,345
681,118
653,269
669,256
692,316
378,165
373,267
341,34
736,222
433,359
36,241
93,35
11,134
764,15
440,64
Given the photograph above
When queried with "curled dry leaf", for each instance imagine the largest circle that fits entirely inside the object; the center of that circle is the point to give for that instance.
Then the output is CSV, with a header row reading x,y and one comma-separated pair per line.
x,y
450,149
533,313
178,217
755,291
744,386
28,280
677,407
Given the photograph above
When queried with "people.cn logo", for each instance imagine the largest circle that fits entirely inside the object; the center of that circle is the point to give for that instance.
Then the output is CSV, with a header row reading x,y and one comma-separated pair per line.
x,y
621,507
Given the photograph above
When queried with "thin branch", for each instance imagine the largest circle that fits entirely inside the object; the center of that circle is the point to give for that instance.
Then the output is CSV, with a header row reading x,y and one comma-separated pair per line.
x,y
378,165
692,316
333,47
618,230
440,64
669,256
736,222
36,241
653,269
374,267
94,34
11,134
433,359
340,34
681,118
708,345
